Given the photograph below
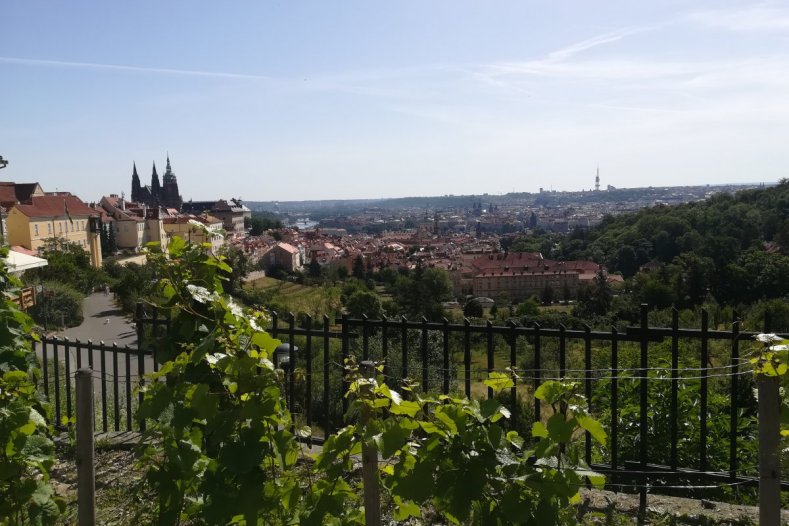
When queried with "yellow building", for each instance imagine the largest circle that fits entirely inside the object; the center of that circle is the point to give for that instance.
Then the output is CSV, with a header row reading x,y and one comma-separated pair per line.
x,y
58,215
196,230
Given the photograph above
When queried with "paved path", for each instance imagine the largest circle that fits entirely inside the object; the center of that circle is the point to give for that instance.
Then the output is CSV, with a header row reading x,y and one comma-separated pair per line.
x,y
103,321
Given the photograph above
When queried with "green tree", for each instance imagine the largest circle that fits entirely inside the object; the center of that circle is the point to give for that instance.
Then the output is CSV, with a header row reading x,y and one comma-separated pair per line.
x,y
59,305
314,268
546,296
112,243
363,302
528,307
473,309
358,267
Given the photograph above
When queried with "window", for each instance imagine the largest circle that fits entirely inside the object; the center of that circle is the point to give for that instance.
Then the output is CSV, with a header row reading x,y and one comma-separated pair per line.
x,y
60,227
35,230
49,229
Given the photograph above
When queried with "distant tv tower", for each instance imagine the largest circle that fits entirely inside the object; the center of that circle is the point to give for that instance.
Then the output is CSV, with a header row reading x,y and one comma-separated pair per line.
x,y
597,180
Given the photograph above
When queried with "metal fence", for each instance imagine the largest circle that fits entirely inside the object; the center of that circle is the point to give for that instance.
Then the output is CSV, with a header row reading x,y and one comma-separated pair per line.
x,y
674,400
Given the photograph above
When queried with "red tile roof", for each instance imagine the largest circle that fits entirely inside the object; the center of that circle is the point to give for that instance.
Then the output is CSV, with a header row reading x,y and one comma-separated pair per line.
x,y
55,206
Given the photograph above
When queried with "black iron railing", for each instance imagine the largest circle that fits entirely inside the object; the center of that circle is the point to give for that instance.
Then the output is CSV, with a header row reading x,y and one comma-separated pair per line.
x,y
674,401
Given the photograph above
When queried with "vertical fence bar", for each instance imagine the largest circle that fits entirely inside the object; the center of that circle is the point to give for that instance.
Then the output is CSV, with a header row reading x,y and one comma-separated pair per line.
x,y
308,401
385,345
614,398
90,366
467,356
67,352
445,342
703,407
489,346
45,365
562,351
425,386
673,413
588,388
140,381
77,350
404,348
103,365
344,357
291,362
116,400
326,407
365,339
56,364
513,367
274,320
643,420
139,325
537,371
128,390
735,371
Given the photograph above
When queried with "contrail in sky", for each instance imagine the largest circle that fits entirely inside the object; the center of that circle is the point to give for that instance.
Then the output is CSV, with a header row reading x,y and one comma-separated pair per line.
x,y
139,69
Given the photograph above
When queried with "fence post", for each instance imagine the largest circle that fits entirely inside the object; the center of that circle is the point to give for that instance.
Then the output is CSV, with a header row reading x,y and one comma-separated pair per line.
x,y
86,475
769,437
372,497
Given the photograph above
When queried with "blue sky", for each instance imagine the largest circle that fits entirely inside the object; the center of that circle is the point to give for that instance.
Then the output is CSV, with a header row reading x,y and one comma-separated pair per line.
x,y
362,99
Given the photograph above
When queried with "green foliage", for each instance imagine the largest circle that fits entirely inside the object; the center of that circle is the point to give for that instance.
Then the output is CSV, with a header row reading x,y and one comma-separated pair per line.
x,y
473,309
26,452
528,307
59,304
735,247
222,451
239,263
455,456
363,302
221,446
132,283
421,294
260,222
68,263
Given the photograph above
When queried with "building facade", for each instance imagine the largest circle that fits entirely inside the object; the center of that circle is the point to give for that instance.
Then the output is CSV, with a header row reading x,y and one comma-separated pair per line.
x,y
57,215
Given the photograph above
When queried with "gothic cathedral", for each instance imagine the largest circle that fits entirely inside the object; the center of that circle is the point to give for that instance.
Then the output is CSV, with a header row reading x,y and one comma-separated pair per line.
x,y
164,194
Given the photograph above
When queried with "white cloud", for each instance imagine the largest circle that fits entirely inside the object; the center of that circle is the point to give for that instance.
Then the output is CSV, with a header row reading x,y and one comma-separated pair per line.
x,y
751,18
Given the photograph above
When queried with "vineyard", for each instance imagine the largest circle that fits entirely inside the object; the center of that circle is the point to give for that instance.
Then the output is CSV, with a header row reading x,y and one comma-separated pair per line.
x,y
414,421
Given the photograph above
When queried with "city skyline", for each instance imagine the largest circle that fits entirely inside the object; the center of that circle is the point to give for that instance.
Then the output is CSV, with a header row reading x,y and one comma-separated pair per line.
x,y
317,101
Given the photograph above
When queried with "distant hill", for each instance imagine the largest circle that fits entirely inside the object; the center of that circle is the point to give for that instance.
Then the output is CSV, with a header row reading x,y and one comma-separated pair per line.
x,y
547,198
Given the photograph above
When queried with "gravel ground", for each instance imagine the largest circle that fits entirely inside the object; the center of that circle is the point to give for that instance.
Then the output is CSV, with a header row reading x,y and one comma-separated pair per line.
x,y
119,498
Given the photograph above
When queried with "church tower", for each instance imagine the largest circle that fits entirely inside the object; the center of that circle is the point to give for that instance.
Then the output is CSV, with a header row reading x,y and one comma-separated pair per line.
x,y
597,181
136,188
169,196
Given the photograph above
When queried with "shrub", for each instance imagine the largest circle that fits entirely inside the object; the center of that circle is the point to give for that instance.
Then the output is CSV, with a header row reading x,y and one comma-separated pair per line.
x,y
59,304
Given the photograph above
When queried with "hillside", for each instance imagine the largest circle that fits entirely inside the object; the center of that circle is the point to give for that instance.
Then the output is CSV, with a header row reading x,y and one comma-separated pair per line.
x,y
730,246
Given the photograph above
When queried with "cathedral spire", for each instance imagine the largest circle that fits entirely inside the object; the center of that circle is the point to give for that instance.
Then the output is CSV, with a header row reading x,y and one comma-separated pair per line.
x,y
136,186
155,186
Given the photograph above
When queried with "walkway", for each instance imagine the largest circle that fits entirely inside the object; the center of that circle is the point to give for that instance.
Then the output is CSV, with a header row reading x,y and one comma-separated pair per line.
x,y
103,321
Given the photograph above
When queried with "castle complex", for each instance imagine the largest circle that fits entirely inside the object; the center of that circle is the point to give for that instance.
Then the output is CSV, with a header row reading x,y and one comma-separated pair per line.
x,y
165,194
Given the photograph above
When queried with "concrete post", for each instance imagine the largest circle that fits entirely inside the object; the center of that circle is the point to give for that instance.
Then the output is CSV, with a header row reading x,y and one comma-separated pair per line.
x,y
769,438
86,474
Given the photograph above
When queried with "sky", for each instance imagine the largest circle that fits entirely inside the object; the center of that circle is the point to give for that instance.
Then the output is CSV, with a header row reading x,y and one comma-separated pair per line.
x,y
291,100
